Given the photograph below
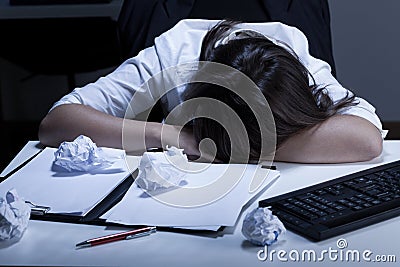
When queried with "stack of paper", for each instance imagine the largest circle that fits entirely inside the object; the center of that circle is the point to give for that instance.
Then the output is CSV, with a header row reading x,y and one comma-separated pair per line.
x,y
186,208
211,198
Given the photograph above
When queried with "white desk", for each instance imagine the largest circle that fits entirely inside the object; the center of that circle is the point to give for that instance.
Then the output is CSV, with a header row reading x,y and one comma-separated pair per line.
x,y
49,243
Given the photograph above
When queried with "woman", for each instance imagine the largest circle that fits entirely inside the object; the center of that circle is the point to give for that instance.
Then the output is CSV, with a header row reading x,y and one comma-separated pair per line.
x,y
317,120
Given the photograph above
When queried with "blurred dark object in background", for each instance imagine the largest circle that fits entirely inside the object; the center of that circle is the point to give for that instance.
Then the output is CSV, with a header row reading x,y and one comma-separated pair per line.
x,y
56,2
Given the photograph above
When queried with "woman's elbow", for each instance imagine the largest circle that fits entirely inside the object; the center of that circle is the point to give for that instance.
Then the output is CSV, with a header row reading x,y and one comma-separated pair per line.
x,y
51,130
371,146
44,132
375,149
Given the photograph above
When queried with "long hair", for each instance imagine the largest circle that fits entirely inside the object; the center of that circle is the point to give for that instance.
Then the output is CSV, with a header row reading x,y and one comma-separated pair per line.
x,y
296,102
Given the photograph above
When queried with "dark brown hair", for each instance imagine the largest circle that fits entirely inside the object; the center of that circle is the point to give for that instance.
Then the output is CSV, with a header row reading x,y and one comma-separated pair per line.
x,y
283,80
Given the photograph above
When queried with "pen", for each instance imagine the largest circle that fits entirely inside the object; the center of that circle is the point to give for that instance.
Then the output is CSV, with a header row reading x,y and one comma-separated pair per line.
x,y
116,237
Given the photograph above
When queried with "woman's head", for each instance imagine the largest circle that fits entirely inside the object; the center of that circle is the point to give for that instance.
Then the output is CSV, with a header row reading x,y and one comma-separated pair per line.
x,y
288,87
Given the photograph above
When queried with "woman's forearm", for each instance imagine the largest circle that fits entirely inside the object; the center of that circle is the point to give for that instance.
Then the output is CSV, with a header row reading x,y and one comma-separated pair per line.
x,y
341,138
66,122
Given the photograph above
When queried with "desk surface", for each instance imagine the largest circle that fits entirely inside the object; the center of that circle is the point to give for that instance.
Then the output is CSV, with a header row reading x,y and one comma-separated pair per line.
x,y
111,9
50,243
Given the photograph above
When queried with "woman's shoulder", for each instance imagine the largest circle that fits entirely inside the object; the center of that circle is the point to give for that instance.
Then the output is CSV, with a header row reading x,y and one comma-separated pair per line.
x,y
203,25
196,23
186,30
182,43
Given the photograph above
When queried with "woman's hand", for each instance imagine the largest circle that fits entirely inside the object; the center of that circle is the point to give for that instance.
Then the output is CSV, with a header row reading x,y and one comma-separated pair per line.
x,y
189,144
191,147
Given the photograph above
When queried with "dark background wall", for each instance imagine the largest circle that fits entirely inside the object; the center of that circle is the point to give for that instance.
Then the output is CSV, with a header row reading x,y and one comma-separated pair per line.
x,y
366,44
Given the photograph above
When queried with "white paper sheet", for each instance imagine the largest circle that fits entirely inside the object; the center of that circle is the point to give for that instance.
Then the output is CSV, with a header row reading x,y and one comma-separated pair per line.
x,y
139,208
65,192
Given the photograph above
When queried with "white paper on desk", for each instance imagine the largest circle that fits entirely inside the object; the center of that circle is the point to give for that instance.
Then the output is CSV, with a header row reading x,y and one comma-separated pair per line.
x,y
138,208
65,192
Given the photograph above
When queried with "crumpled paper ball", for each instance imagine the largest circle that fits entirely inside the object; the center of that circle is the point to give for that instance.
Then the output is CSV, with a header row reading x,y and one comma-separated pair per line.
x,y
81,155
262,228
14,216
161,170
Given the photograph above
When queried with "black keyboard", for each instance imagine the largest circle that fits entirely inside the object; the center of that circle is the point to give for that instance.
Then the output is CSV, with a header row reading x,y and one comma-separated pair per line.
x,y
341,205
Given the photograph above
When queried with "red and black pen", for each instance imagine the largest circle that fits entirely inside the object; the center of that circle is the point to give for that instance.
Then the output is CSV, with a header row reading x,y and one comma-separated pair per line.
x,y
116,237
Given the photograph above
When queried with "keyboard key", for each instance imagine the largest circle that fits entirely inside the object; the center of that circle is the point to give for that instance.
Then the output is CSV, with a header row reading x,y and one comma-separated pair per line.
x,y
366,205
338,187
376,202
339,207
320,192
373,192
291,219
302,197
330,211
321,213
369,199
360,180
332,191
384,194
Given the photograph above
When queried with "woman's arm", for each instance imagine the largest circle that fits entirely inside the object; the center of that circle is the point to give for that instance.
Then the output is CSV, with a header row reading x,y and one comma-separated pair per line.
x,y
66,122
84,111
341,138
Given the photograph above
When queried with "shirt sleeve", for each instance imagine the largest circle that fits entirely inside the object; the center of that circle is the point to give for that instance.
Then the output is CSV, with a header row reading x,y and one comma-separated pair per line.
x,y
321,71
112,94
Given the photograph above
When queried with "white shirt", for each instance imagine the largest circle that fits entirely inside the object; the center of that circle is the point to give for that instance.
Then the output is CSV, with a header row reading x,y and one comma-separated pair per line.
x,y
112,94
